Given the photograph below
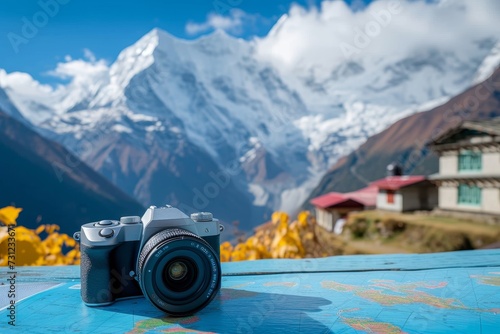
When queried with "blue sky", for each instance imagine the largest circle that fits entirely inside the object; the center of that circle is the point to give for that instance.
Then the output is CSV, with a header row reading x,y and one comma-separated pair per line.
x,y
107,27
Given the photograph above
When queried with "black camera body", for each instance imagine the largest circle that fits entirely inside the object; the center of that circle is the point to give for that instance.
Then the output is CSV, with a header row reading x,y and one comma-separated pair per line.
x,y
170,258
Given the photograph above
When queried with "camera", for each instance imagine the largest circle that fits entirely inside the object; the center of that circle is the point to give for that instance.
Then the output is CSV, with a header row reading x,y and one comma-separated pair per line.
x,y
171,259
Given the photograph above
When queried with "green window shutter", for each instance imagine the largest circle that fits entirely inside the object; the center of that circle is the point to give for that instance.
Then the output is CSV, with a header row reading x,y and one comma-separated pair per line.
x,y
469,195
470,161
476,200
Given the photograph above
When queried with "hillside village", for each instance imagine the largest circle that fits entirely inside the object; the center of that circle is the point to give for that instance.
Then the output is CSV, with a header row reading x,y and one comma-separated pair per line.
x,y
467,185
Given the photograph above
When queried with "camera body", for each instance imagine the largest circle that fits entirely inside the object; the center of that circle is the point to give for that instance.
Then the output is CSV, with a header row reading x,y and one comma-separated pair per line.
x,y
170,258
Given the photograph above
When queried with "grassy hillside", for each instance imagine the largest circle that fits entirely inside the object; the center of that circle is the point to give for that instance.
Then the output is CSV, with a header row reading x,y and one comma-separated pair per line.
x,y
373,232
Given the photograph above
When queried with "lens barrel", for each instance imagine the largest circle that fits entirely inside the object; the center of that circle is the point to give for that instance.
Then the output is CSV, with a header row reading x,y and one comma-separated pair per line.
x,y
178,272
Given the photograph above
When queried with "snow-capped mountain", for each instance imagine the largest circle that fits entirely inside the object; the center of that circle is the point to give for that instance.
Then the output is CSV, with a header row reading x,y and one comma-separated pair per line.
x,y
221,124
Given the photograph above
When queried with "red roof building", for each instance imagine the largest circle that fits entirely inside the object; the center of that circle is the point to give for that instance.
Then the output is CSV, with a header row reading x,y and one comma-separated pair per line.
x,y
405,193
366,197
393,193
398,182
334,206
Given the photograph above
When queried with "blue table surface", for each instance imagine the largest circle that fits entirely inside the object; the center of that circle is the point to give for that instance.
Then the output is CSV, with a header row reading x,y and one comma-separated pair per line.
x,y
455,292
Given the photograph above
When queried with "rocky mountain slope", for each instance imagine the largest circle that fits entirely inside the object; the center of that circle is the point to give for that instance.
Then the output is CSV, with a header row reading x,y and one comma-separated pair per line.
x,y
51,184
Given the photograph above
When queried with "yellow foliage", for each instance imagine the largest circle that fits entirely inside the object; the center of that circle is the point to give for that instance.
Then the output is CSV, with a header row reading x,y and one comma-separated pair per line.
x,y
303,218
279,239
276,240
225,251
9,215
280,219
30,248
40,229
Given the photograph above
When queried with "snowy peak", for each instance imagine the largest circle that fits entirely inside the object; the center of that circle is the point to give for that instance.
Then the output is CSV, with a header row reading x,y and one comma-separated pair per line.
x,y
164,52
134,59
160,43
220,44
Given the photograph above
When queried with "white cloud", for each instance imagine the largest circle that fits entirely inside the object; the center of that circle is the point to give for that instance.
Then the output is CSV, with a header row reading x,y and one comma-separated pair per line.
x,y
232,23
23,83
81,70
334,32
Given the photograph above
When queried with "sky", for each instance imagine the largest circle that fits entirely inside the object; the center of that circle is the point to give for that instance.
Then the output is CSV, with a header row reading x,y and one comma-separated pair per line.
x,y
36,35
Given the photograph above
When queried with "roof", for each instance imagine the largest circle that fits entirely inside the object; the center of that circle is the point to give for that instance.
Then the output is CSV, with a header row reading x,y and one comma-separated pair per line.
x,y
398,182
328,200
365,197
490,126
465,176
487,126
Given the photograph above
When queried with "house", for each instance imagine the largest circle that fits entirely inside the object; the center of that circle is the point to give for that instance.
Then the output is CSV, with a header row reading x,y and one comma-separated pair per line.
x,y
332,208
402,193
469,167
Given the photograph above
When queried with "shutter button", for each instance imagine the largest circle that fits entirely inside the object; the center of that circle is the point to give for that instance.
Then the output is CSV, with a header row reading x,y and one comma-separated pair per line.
x,y
105,223
106,233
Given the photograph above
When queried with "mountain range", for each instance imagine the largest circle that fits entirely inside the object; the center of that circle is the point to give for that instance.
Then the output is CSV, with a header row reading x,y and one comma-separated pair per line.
x,y
214,124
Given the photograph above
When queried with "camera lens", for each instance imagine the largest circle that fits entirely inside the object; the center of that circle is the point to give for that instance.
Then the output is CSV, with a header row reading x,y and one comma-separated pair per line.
x,y
178,272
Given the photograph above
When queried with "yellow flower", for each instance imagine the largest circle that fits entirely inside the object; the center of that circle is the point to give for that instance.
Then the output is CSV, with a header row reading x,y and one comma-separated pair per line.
x,y
9,215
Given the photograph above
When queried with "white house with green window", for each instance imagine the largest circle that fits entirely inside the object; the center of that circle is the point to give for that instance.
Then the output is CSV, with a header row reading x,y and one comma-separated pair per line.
x,y
469,167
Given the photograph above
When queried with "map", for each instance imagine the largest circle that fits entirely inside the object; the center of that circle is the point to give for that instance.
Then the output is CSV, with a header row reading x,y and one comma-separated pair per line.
x,y
446,300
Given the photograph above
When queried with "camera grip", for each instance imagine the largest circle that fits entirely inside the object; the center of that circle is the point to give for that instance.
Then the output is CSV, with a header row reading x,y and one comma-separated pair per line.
x,y
96,275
